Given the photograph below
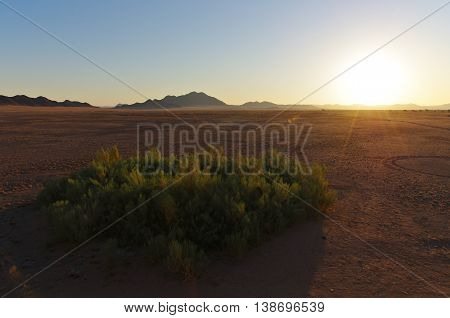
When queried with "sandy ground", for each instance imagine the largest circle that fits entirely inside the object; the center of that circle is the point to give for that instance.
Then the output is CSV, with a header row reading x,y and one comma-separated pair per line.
x,y
387,236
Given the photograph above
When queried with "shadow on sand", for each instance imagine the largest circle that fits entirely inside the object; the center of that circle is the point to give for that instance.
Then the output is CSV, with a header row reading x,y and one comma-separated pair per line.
x,y
281,267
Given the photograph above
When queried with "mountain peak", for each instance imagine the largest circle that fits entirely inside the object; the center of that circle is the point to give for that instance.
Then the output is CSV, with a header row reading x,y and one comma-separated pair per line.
x,y
23,100
192,99
194,93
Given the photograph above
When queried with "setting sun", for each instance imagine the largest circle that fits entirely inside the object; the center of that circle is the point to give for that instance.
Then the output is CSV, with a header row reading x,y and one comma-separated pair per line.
x,y
381,80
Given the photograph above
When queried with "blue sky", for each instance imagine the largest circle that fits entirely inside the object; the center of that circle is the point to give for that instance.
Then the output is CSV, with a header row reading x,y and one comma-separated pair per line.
x,y
237,51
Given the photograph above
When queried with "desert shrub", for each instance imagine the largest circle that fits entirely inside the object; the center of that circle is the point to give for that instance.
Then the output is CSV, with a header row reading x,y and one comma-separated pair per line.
x,y
205,212
184,258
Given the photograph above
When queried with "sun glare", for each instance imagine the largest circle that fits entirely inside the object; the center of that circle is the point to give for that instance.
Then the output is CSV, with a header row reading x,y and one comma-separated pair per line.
x,y
380,80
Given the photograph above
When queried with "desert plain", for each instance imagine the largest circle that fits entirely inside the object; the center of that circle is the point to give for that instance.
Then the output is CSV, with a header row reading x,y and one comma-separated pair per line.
x,y
387,235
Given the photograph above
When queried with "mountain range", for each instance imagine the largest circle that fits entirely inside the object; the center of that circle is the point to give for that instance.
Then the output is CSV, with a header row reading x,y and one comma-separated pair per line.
x,y
269,105
22,100
202,100
195,99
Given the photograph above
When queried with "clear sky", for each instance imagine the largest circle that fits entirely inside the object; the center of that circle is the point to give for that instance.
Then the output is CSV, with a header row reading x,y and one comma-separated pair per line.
x,y
236,51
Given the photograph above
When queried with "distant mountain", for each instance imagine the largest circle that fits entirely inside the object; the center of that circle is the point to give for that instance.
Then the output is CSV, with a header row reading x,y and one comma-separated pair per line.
x,y
149,104
22,100
440,107
260,105
192,99
269,105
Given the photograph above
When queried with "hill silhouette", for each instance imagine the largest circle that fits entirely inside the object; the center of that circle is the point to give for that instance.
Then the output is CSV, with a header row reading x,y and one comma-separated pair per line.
x,y
260,105
192,99
269,105
23,100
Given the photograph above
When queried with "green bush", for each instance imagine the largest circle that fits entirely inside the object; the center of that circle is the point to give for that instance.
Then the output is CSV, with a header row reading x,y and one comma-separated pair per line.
x,y
205,212
184,258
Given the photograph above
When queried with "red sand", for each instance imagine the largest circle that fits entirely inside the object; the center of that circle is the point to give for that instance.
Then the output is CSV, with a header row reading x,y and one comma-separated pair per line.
x,y
390,168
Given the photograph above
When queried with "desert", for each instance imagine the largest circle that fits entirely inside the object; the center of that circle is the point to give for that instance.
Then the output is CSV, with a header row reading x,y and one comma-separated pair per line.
x,y
387,234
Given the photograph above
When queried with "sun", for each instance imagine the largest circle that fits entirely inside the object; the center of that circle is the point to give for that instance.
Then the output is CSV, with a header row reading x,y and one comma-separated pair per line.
x,y
379,80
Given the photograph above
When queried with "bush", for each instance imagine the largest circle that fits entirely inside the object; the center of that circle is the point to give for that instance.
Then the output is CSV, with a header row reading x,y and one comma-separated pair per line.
x,y
184,258
206,212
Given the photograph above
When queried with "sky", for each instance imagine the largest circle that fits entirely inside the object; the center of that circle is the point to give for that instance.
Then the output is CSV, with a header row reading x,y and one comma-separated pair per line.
x,y
237,51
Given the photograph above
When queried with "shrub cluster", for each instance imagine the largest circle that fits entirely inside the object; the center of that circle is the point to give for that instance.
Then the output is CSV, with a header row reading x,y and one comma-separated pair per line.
x,y
204,212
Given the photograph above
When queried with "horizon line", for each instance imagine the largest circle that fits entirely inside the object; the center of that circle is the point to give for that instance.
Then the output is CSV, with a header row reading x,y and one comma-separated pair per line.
x,y
247,102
